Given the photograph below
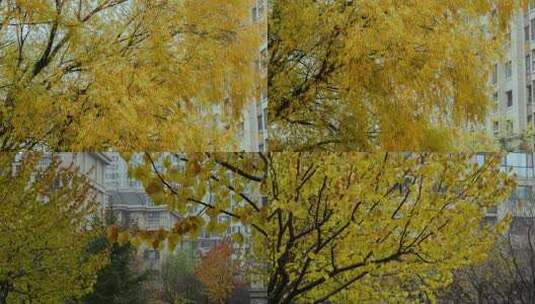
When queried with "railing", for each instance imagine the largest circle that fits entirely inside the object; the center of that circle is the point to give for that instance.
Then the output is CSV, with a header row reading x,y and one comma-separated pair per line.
x,y
519,163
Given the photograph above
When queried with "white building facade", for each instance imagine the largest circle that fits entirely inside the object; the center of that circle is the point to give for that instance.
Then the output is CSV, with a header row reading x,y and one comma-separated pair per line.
x,y
93,165
511,120
521,202
252,130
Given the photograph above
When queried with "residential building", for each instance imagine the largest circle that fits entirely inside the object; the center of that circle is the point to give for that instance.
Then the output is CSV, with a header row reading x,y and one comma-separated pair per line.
x,y
116,175
252,130
93,165
521,203
135,209
132,208
511,120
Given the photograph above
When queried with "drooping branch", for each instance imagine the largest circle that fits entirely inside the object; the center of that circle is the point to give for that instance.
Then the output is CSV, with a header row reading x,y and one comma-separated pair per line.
x,y
204,204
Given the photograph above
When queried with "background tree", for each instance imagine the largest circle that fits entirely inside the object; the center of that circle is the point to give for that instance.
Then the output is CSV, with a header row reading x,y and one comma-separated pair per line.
x,y
339,226
44,232
118,282
218,272
129,74
360,75
508,275
179,283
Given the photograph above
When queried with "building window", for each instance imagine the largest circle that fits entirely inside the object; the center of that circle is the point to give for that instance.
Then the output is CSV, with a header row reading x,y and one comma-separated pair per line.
x,y
254,13
495,97
264,57
528,64
508,69
528,92
492,210
495,74
526,33
260,122
532,27
509,127
223,219
530,121
263,93
241,130
520,163
152,254
495,127
260,6
56,184
152,258
258,65
509,95
154,219
523,192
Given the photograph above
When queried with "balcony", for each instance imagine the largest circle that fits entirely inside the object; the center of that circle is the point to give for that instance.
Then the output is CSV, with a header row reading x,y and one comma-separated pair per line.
x,y
492,211
520,164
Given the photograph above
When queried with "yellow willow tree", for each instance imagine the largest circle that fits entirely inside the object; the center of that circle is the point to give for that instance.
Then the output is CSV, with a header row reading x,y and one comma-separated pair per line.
x,y
396,75
126,74
348,227
44,235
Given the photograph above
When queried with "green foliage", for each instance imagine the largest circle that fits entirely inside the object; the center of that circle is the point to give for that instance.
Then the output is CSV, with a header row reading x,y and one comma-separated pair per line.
x,y
118,282
45,232
179,283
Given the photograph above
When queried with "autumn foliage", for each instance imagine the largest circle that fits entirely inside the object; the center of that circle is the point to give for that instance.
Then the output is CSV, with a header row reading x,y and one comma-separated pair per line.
x,y
125,74
394,75
217,271
341,226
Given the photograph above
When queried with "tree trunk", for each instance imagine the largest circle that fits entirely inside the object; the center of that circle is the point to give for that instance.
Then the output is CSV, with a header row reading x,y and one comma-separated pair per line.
x,y
4,291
